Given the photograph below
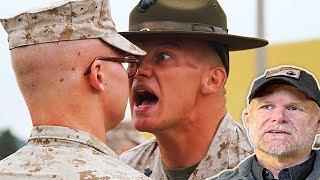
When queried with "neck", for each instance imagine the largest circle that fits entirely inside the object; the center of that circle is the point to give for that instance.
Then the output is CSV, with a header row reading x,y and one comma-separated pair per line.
x,y
71,113
188,144
275,164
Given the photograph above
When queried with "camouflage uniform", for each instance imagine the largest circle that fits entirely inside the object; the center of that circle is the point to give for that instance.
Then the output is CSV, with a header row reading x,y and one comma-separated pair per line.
x,y
58,152
55,152
229,146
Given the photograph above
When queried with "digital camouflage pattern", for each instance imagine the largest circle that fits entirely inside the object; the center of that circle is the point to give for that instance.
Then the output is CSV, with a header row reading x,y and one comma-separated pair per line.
x,y
55,152
229,146
67,20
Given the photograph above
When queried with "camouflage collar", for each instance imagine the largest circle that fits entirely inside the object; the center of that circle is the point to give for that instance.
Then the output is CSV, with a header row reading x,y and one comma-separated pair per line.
x,y
43,134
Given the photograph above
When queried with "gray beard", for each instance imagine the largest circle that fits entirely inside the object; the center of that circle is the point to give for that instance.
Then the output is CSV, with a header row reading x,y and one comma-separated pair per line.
x,y
300,144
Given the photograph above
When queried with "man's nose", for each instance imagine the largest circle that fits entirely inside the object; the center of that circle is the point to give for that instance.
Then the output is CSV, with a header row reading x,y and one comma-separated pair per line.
x,y
279,115
145,69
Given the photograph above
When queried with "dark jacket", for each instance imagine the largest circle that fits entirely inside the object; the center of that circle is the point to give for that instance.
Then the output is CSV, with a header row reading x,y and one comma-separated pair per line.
x,y
243,171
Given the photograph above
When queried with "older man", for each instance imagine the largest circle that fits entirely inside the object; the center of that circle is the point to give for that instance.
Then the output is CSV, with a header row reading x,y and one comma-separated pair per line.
x,y
283,117
67,61
179,95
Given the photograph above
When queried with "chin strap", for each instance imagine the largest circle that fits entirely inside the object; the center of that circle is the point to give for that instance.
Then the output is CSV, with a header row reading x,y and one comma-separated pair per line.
x,y
223,53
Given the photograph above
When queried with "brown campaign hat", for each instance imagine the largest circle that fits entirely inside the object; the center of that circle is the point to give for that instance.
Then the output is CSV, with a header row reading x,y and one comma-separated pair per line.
x,y
197,19
64,21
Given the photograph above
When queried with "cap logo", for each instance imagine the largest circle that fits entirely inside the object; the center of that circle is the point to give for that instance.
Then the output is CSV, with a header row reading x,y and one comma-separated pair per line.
x,y
145,4
145,29
284,71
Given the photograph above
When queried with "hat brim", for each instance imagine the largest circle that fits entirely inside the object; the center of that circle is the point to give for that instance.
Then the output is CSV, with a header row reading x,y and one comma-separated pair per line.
x,y
233,42
120,42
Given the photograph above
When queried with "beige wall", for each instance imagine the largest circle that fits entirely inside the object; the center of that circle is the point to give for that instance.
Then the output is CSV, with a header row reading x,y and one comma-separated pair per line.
x,y
304,54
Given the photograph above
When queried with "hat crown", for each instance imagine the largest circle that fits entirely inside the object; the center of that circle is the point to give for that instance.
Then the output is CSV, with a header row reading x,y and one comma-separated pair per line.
x,y
205,12
61,13
297,77
66,21
193,19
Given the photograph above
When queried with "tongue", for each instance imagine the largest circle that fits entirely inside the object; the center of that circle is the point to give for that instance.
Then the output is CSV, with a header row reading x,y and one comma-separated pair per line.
x,y
146,102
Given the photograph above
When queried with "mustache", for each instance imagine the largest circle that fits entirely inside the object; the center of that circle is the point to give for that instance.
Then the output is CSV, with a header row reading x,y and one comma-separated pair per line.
x,y
279,128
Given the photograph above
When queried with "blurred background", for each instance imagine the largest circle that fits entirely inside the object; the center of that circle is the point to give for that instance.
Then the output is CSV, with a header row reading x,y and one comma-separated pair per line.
x,y
291,26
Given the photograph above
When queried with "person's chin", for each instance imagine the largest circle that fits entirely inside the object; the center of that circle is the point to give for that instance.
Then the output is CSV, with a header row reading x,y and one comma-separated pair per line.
x,y
276,147
143,124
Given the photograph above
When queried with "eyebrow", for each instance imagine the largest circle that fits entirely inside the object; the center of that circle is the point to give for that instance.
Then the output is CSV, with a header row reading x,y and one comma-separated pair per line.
x,y
298,104
259,102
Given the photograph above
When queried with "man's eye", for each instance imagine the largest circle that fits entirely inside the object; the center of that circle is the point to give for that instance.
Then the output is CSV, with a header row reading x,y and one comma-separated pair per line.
x,y
292,108
164,56
267,107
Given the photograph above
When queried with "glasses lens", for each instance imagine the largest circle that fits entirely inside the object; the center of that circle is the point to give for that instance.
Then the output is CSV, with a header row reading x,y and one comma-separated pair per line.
x,y
132,69
125,65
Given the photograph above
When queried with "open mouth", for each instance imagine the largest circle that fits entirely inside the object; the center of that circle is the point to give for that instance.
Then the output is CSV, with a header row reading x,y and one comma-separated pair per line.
x,y
143,98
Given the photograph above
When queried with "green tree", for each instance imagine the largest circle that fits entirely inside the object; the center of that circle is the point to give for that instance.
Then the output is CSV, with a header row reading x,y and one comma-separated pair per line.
x,y
8,143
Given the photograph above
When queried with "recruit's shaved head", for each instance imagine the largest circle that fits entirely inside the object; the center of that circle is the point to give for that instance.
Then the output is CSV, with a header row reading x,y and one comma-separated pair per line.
x,y
52,81
53,66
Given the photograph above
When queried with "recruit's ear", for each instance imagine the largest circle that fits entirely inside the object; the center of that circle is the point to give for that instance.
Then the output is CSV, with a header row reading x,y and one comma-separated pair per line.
x,y
97,77
213,80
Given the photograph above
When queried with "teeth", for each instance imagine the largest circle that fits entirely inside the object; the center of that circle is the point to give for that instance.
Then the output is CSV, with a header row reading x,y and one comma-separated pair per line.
x,y
142,106
140,91
144,98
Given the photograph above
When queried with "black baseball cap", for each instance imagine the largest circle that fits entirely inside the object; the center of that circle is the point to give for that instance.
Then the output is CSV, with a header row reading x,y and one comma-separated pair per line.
x,y
297,77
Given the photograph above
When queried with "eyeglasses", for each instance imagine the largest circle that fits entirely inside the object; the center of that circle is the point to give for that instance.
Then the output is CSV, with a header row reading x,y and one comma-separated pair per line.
x,y
133,63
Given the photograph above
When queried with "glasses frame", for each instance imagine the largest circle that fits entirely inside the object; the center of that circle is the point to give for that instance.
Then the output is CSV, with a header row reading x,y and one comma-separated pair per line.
x,y
127,59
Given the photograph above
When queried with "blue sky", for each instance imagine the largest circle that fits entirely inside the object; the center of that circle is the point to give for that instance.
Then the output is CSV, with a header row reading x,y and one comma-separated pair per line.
x,y
285,21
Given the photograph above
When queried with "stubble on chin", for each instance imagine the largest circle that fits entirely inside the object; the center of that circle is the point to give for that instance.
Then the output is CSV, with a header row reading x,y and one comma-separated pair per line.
x,y
284,148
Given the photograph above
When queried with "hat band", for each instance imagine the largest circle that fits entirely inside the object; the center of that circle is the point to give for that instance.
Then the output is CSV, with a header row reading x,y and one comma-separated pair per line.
x,y
176,26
